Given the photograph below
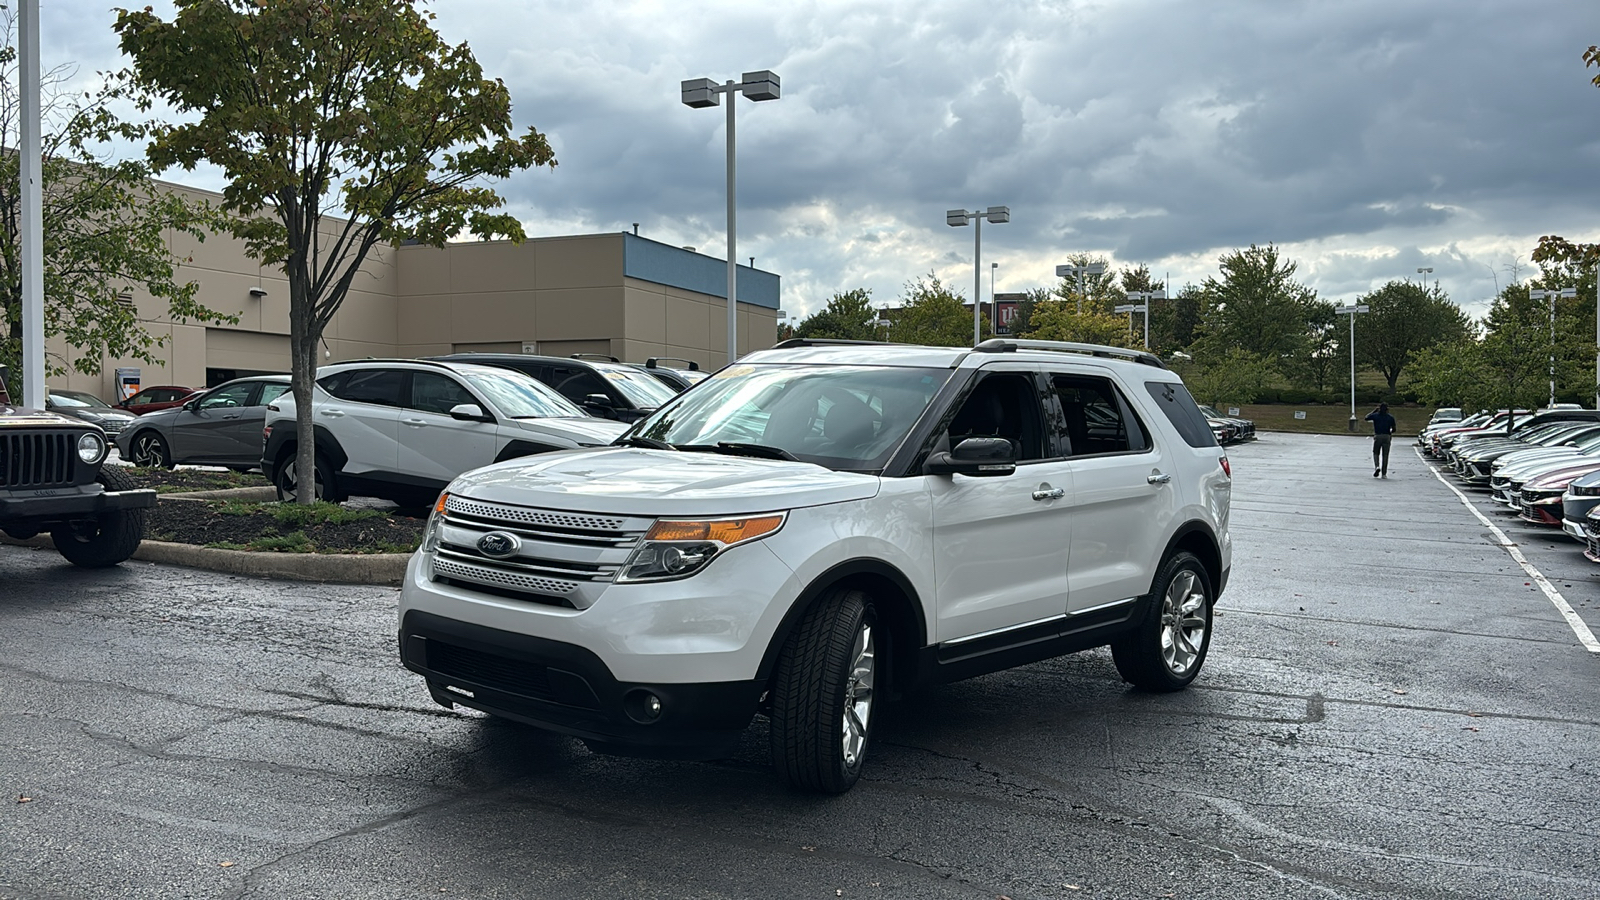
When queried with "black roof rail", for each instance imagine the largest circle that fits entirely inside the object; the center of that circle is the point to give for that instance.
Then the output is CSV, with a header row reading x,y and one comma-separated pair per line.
x,y
425,360
655,362
998,345
600,356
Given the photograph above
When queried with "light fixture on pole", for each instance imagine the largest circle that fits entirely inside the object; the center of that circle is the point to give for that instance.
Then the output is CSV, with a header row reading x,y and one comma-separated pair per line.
x,y
1351,311
699,93
1144,307
1079,272
1422,273
883,321
1551,296
956,218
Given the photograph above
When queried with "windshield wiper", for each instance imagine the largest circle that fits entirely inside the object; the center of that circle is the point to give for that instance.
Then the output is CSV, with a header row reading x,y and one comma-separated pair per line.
x,y
641,441
740,448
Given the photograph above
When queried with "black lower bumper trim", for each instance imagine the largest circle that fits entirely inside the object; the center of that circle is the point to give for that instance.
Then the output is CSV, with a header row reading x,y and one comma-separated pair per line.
x,y
44,508
566,688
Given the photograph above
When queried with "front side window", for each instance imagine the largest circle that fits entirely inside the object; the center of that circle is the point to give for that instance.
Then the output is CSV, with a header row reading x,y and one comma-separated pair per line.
x,y
576,384
76,400
1006,405
234,395
1094,419
842,417
437,394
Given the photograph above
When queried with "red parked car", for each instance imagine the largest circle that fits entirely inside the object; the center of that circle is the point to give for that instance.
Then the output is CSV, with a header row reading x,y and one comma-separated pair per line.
x,y
160,396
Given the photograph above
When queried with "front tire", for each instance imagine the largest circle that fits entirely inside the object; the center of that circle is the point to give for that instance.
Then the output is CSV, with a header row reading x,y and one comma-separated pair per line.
x,y
1165,652
108,539
149,451
823,696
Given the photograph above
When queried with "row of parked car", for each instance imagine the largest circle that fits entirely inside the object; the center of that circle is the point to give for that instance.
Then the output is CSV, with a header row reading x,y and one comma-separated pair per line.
x,y
1543,467
1228,429
401,429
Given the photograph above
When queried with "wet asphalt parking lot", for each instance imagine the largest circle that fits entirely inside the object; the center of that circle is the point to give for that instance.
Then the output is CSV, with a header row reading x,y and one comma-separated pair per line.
x,y
1392,708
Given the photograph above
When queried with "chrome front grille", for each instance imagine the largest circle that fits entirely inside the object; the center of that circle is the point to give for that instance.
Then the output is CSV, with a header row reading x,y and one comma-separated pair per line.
x,y
562,559
37,459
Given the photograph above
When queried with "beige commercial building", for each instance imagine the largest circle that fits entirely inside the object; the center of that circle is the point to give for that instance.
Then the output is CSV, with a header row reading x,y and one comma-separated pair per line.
x,y
616,294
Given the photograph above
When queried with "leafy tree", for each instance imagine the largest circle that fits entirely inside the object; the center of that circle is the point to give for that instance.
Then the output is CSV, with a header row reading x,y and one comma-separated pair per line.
x,y
1059,320
1022,319
1325,354
1514,351
1564,264
311,108
1236,376
1256,306
848,315
1452,375
1100,292
930,313
104,224
1175,322
1405,318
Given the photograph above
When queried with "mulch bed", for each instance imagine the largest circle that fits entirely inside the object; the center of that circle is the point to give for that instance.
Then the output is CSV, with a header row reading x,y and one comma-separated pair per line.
x,y
326,528
167,481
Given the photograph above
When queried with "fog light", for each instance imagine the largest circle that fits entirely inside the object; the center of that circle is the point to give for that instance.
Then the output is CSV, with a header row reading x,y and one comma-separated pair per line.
x,y
652,705
642,706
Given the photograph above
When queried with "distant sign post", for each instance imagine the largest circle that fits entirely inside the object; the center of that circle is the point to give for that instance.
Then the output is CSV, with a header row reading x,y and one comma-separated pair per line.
x,y
1299,414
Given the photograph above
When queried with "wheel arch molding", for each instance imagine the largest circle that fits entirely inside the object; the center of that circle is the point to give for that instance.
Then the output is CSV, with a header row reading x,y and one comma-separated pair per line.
x,y
284,436
1197,538
899,609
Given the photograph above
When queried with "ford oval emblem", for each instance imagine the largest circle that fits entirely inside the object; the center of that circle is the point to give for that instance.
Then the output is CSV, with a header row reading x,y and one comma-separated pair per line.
x,y
499,545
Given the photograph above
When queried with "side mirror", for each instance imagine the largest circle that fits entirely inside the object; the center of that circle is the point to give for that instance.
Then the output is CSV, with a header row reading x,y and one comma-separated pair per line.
x,y
979,457
469,412
598,400
192,405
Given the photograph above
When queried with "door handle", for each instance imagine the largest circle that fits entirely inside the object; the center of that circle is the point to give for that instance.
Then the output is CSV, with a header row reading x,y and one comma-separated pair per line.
x,y
234,416
1049,493
331,413
1159,478
418,422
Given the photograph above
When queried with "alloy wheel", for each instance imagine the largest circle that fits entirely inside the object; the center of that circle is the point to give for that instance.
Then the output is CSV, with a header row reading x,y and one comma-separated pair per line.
x,y
147,451
1185,618
858,695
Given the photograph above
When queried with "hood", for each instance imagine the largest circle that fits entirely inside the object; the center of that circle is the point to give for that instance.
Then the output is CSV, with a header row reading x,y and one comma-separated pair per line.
x,y
1558,478
639,482
578,430
23,417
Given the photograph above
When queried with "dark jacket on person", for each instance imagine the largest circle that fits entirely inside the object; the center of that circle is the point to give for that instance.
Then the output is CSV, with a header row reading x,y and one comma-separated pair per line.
x,y
1382,422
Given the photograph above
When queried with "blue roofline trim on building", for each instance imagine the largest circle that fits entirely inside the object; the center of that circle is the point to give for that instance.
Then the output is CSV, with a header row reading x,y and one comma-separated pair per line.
x,y
660,263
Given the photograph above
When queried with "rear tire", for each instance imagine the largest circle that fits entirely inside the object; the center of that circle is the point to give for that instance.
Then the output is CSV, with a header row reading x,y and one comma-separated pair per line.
x,y
326,485
1165,652
108,539
823,699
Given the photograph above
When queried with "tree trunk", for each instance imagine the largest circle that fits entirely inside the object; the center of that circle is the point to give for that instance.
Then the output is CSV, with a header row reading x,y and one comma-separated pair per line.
x,y
303,339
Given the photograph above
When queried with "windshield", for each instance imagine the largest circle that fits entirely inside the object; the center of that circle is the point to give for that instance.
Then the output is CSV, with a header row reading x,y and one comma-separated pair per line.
x,y
641,389
77,400
521,397
842,417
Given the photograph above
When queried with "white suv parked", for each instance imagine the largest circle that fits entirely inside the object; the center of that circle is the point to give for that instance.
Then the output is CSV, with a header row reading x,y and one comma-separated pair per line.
x,y
402,429
820,523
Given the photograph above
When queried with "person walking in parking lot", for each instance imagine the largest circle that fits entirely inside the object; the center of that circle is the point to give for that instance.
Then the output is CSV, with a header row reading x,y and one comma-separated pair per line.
x,y
1382,434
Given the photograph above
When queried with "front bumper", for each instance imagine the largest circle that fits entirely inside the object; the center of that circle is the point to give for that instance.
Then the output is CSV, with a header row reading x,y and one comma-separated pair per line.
x,y
568,689
44,507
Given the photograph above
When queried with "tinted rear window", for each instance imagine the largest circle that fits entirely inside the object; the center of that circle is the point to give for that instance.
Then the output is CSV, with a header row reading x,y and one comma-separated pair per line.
x,y
1181,411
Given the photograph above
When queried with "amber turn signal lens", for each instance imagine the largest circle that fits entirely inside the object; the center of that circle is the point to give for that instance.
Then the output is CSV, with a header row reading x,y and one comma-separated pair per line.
x,y
725,531
438,506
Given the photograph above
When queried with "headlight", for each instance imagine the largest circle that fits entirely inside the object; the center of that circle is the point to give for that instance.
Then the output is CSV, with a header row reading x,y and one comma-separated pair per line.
x,y
430,535
91,446
674,548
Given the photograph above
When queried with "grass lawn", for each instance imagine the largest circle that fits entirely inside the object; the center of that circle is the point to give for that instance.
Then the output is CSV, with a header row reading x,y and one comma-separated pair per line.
x,y
1322,419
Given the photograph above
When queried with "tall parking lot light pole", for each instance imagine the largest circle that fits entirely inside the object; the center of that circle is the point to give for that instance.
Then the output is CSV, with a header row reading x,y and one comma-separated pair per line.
x,y
699,93
1551,296
956,218
32,212
1422,273
1079,272
1351,311
1144,307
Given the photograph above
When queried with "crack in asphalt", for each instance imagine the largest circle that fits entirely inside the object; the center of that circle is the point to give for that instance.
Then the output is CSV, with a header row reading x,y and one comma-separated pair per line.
x,y
1404,707
1396,626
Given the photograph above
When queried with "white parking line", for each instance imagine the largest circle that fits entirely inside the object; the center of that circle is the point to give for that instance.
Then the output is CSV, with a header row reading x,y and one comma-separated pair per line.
x,y
1579,627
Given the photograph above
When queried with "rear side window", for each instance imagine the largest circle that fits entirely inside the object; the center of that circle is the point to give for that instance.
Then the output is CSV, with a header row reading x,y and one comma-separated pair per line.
x,y
380,386
1181,411
1095,418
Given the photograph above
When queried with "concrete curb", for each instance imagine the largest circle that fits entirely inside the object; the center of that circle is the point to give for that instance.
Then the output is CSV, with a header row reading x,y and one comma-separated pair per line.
x,y
387,569
245,493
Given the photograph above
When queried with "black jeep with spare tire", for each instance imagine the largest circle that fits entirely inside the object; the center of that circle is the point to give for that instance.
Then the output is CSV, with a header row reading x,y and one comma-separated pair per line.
x,y
52,479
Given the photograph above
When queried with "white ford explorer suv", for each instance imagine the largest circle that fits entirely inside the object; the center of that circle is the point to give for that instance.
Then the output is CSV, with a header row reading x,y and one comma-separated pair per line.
x,y
817,526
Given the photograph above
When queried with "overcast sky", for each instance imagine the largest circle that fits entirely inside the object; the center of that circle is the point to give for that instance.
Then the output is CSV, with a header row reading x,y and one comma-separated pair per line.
x,y
1365,137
